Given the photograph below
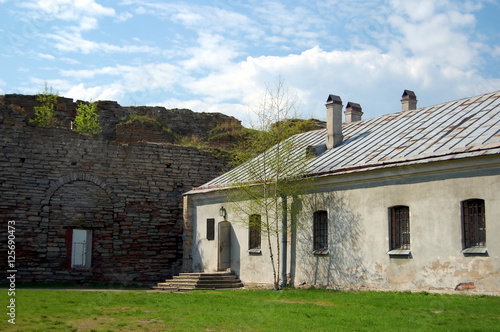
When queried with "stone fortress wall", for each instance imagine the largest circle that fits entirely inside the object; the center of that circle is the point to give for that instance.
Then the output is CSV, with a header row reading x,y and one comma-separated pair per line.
x,y
125,185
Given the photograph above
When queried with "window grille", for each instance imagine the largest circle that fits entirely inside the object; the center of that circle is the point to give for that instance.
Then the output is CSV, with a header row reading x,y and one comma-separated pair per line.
x,y
400,227
474,223
320,230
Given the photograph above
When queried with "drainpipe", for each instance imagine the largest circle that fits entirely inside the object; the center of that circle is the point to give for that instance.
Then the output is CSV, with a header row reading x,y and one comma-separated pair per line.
x,y
284,236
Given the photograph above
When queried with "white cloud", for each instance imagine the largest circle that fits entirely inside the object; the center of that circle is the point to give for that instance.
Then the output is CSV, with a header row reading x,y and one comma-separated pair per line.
x,y
438,30
122,17
422,12
127,81
69,19
371,76
299,25
496,51
46,56
66,10
212,53
92,8
89,73
88,23
152,76
74,42
37,85
200,18
81,92
70,61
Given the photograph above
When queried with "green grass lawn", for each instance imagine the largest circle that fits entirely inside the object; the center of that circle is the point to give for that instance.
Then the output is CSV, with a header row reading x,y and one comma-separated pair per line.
x,y
244,310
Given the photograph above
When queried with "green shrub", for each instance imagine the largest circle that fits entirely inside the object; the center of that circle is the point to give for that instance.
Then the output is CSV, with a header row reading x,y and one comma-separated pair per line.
x,y
87,119
45,113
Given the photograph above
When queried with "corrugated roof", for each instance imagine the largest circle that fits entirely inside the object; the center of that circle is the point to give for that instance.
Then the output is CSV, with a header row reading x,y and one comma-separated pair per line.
x,y
457,129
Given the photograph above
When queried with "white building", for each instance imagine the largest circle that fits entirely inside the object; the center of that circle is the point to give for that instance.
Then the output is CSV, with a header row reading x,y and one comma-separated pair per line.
x,y
404,201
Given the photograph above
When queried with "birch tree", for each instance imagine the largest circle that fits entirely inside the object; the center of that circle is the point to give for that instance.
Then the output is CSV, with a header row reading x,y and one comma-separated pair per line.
x,y
262,184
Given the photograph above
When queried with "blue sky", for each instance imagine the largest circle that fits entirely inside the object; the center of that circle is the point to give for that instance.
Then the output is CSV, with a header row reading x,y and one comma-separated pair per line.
x,y
218,56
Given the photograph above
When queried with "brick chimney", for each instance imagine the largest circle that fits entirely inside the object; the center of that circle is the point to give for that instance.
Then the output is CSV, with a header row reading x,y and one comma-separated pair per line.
x,y
353,112
333,121
408,101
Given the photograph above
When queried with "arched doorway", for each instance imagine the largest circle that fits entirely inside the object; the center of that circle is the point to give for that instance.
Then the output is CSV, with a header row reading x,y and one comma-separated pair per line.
x,y
80,230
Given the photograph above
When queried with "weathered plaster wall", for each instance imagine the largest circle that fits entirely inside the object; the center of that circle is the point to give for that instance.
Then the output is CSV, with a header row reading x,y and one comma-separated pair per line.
x,y
251,268
358,232
53,180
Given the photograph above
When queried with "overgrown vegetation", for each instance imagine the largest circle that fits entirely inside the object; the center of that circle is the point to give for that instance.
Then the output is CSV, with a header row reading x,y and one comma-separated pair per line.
x,y
290,310
254,141
87,119
193,141
140,118
230,139
45,114
148,120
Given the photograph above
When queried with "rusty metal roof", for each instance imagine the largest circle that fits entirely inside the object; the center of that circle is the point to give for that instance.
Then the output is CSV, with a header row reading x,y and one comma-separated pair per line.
x,y
458,129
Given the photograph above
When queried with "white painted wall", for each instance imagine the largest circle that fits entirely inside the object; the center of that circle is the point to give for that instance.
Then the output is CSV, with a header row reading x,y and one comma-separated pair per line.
x,y
359,234
359,238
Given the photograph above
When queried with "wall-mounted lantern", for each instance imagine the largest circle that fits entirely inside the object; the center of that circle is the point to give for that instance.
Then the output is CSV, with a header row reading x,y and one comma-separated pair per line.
x,y
223,212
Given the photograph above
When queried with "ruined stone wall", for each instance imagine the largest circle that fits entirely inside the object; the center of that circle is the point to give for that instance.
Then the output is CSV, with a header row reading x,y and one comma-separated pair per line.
x,y
137,132
54,180
178,122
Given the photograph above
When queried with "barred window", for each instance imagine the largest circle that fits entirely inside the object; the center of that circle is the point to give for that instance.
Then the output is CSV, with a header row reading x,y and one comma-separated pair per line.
x,y
320,230
210,228
400,227
255,227
474,223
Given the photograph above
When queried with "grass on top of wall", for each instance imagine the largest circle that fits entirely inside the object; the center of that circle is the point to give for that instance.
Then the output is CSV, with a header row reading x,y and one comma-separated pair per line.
x,y
243,310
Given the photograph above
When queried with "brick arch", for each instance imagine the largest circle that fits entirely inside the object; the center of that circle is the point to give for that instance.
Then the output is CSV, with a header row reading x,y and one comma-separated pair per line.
x,y
79,200
77,176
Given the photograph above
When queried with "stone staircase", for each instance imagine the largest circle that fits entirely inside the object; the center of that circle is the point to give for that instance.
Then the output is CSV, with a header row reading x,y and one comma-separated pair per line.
x,y
191,281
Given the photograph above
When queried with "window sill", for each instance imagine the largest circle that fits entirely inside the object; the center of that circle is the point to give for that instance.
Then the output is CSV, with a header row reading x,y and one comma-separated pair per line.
x,y
321,252
255,251
399,253
475,251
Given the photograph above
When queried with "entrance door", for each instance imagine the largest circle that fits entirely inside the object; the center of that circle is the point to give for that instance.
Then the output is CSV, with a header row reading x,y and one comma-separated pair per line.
x,y
224,259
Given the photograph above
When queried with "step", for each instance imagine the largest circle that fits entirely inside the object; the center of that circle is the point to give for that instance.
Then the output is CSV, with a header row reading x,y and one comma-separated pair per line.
x,y
207,287
197,280
211,276
207,275
200,283
203,281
